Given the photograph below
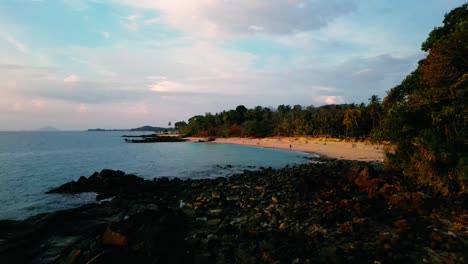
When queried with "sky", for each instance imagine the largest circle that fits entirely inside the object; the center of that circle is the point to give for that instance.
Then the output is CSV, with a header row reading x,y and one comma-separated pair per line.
x,y
78,64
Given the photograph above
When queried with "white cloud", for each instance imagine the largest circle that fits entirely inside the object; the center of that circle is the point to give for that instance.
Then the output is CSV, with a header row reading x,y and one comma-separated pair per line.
x,y
152,21
256,28
213,18
15,43
106,34
72,78
165,86
131,22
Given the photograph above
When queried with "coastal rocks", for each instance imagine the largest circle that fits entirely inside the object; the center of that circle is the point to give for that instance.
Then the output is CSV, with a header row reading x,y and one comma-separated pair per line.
x,y
107,183
209,139
113,238
154,139
332,212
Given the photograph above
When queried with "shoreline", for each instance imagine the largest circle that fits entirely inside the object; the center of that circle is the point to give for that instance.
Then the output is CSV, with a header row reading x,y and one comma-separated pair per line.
x,y
332,148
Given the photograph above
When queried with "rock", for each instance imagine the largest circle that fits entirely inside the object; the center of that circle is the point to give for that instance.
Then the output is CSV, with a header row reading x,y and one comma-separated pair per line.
x,y
106,173
329,254
107,183
232,198
188,211
301,214
156,139
450,233
282,226
346,228
213,222
216,212
113,238
388,190
74,254
215,195
266,258
400,225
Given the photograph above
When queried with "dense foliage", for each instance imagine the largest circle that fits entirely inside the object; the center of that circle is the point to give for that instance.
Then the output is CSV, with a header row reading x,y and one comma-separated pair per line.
x,y
426,115
330,120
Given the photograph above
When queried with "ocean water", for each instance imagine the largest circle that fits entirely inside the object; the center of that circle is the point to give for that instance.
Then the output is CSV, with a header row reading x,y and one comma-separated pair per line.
x,y
31,163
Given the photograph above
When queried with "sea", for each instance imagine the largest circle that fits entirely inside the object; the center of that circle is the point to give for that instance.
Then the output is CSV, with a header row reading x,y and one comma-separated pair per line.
x,y
31,163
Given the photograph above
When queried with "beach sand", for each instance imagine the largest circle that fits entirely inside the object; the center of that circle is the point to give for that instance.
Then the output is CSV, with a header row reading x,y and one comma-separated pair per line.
x,y
333,148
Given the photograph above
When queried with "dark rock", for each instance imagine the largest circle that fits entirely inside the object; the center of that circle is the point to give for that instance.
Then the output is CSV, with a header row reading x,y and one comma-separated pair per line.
x,y
107,183
156,139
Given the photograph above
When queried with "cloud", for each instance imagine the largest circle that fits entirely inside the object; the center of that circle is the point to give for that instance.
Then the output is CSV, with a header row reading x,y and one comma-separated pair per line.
x,y
356,79
332,99
15,43
83,108
256,28
131,22
238,17
72,78
19,67
165,86
106,34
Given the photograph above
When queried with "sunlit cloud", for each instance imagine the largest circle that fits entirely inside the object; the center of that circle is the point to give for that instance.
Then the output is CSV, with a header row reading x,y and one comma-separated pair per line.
x,y
82,108
165,86
39,103
333,100
72,78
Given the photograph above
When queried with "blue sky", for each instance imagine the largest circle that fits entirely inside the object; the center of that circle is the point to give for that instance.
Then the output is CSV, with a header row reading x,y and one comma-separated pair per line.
x,y
76,64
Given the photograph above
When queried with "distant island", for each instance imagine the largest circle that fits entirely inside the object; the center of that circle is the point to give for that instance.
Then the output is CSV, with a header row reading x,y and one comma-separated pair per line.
x,y
143,128
48,128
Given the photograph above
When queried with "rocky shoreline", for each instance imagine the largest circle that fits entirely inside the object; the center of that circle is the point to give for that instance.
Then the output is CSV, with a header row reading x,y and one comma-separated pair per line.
x,y
327,212
153,138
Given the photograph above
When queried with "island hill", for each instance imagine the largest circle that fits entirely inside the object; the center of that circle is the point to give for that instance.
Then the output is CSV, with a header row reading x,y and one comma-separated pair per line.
x,y
161,134
48,129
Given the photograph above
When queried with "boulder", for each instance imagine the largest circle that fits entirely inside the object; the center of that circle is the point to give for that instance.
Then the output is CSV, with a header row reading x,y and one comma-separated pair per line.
x,y
107,183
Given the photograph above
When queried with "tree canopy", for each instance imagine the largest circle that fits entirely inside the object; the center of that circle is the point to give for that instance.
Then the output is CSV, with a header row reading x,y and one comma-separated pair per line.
x,y
426,116
330,120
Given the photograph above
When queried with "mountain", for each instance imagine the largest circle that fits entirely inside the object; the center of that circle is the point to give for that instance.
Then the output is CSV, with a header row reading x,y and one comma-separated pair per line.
x,y
48,128
150,128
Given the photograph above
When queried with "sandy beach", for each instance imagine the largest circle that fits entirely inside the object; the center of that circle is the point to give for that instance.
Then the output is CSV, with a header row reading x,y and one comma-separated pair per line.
x,y
333,148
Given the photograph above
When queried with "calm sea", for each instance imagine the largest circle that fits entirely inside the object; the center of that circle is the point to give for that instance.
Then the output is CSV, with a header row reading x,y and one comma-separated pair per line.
x,y
31,163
